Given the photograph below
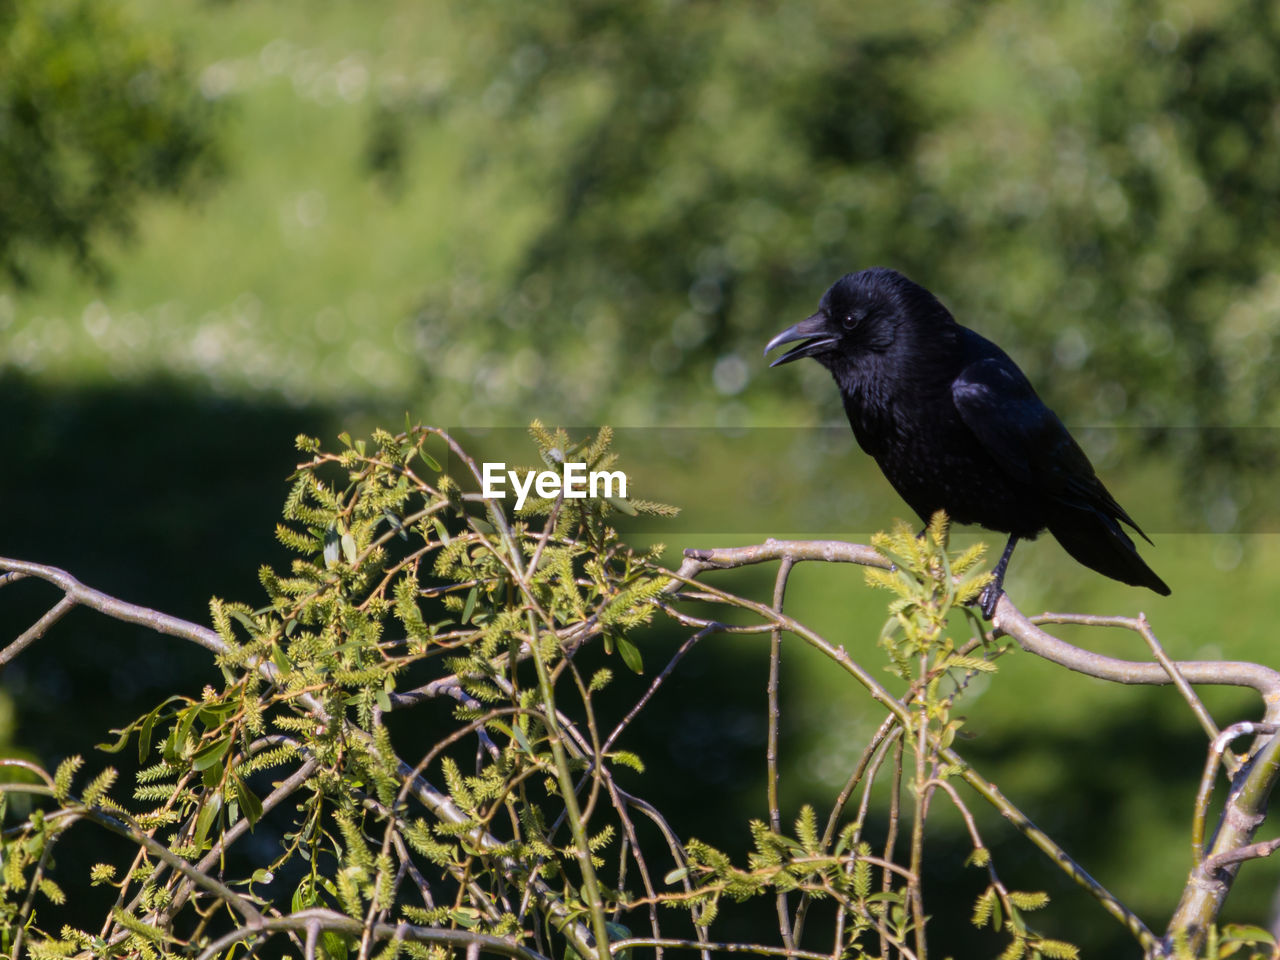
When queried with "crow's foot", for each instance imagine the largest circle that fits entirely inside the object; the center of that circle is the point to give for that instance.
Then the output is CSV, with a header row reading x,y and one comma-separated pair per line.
x,y
989,597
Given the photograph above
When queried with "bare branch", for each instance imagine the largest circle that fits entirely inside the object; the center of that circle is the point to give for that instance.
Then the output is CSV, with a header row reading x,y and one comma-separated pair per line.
x,y
313,921
78,593
771,748
1011,621
1216,749
755,948
36,630
1141,625
1253,851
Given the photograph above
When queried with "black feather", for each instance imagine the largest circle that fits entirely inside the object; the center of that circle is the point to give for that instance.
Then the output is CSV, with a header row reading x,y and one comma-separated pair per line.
x,y
956,426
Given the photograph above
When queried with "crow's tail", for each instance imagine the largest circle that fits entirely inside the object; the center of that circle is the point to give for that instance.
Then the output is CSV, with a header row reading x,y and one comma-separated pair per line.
x,y
1097,541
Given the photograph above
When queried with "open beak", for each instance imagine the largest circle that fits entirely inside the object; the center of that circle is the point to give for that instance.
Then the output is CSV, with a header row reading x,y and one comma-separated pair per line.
x,y
814,330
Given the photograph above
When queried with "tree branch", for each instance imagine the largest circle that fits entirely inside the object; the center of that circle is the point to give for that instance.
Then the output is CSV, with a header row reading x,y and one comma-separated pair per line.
x,y
1245,808
314,920
78,593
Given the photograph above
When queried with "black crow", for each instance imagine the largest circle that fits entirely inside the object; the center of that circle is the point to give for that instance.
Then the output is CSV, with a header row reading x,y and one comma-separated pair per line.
x,y
956,426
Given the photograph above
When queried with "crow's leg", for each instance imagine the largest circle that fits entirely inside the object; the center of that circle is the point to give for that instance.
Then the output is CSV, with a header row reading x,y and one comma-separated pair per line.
x,y
992,591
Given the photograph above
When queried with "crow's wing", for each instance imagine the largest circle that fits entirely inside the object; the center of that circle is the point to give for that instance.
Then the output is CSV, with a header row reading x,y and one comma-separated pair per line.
x,y
1026,439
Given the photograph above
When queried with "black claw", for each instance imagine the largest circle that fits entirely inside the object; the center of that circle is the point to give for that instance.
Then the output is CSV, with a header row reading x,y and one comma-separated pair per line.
x,y
989,598
994,590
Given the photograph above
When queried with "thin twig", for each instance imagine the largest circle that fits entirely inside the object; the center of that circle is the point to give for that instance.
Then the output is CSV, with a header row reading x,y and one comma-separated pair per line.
x,y
1253,851
771,749
120,823
895,802
889,726
1216,749
1243,812
657,682
320,919
1009,620
20,925
920,809
1142,626
37,629
78,593
706,946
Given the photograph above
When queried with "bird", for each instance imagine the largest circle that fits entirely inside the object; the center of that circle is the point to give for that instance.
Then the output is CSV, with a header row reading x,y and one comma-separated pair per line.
x,y
955,425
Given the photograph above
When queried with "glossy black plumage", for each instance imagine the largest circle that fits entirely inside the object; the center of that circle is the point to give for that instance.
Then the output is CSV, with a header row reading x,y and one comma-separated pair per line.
x,y
955,425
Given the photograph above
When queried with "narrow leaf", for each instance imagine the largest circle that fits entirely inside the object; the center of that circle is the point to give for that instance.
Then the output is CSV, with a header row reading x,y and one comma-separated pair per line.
x,y
211,754
630,654
249,801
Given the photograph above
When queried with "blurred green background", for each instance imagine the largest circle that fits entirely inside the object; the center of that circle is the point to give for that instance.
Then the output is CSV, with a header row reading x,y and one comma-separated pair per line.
x,y
224,222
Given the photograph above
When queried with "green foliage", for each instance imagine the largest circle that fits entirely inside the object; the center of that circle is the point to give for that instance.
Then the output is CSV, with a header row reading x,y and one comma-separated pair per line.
x,y
96,112
399,573
930,584
504,816
1093,191
1243,941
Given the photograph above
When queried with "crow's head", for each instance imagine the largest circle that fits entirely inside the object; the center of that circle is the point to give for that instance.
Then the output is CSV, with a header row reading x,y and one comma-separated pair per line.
x,y
861,313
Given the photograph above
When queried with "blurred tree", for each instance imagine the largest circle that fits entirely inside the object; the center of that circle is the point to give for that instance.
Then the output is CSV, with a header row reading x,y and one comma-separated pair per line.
x,y
94,113
1096,192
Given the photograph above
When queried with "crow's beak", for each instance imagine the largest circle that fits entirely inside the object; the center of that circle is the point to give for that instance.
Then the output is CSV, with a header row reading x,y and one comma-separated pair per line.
x,y
814,329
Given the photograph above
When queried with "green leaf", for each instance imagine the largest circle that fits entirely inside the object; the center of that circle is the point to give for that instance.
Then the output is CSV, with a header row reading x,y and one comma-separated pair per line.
x,y
246,620
521,739
395,524
249,801
212,714
148,727
1248,933
470,606
210,754
630,654
429,460
335,944
304,895
208,815
622,506
120,741
211,777
616,932
175,746
675,876
467,917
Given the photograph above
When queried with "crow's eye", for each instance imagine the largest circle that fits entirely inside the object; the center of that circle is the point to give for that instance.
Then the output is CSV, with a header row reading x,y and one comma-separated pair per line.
x,y
850,321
